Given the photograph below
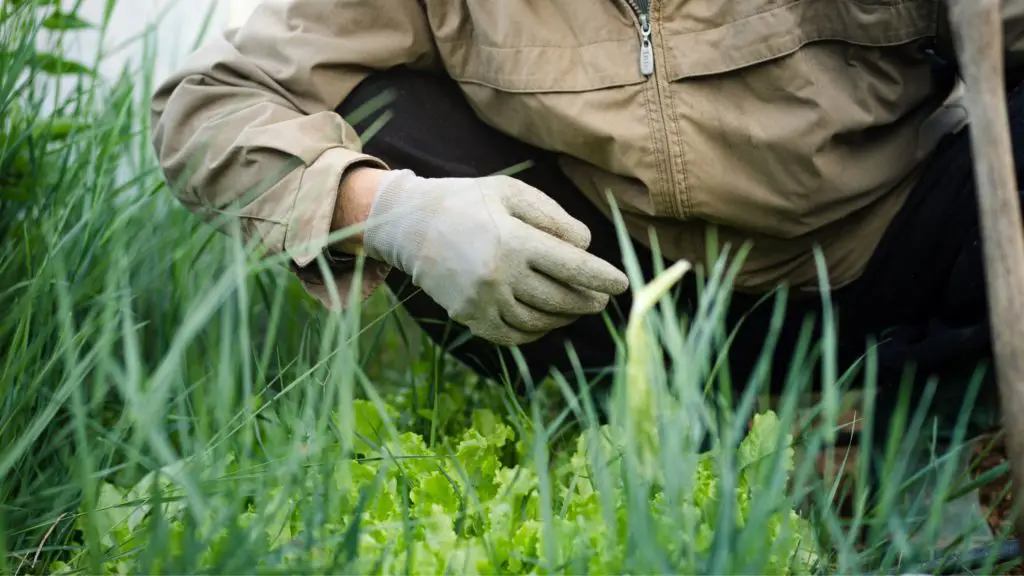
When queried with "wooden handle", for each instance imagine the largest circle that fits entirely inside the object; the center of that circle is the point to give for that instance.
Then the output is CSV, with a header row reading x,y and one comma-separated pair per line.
x,y
978,36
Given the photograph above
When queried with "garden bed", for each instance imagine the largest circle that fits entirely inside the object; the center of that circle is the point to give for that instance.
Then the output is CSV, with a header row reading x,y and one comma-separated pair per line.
x,y
995,496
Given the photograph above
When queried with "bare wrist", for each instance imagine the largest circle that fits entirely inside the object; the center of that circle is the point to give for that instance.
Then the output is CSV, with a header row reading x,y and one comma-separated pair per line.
x,y
355,199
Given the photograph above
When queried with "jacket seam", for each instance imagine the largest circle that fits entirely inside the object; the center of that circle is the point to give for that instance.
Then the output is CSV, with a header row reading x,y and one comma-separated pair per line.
x,y
474,43
681,198
791,6
470,79
657,192
289,226
790,51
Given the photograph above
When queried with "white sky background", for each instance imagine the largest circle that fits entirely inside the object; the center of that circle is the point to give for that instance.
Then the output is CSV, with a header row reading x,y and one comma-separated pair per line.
x,y
179,24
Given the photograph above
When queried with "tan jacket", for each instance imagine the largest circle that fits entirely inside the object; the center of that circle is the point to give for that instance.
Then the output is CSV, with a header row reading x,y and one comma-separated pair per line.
x,y
790,123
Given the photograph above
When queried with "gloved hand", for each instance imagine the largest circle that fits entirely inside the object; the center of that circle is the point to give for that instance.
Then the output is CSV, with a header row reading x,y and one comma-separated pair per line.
x,y
498,255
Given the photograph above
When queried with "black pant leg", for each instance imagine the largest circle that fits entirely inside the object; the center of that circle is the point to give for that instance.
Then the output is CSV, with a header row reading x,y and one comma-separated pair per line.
x,y
924,291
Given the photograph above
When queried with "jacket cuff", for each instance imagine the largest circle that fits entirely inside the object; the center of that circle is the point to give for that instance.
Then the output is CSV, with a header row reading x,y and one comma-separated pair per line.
x,y
339,297
309,223
309,226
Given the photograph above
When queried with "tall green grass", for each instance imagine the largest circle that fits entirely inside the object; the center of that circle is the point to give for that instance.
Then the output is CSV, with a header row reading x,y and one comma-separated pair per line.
x,y
137,343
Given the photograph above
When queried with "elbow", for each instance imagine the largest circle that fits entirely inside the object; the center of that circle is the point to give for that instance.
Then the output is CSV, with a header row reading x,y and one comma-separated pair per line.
x,y
178,129
168,132
183,131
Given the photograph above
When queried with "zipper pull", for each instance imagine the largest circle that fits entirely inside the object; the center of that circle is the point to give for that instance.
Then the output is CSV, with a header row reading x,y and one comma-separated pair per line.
x,y
646,49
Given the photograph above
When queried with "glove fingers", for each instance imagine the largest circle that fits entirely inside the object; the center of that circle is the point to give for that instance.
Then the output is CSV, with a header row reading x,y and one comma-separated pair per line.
x,y
571,265
538,210
545,294
504,333
502,323
530,320
509,336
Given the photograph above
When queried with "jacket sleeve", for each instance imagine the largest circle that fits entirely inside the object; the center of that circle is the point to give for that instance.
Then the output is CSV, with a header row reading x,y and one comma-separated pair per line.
x,y
246,128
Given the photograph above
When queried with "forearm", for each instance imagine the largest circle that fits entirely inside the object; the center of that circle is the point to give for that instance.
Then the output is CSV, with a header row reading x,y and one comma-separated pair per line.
x,y
355,199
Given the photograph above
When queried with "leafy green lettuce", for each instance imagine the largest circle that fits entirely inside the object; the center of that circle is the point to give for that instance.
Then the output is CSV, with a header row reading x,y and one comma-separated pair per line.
x,y
470,505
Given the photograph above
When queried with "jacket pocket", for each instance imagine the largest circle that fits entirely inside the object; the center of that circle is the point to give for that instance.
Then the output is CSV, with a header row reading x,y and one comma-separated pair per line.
x,y
582,68
770,34
794,117
560,75
550,46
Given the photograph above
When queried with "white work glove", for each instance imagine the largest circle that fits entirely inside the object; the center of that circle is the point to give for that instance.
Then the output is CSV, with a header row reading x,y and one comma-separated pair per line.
x,y
498,255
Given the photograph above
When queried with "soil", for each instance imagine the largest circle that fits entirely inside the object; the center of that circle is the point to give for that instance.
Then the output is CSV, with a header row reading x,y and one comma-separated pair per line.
x,y
995,496
989,453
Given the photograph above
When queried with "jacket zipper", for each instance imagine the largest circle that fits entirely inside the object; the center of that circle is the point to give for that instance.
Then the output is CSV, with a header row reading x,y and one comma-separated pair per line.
x,y
642,10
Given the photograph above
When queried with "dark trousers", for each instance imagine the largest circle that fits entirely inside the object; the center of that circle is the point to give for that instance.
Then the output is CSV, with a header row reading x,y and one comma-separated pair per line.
x,y
922,297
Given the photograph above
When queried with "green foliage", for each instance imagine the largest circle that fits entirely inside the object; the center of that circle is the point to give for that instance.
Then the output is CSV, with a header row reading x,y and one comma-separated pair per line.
x,y
464,506
172,403
29,138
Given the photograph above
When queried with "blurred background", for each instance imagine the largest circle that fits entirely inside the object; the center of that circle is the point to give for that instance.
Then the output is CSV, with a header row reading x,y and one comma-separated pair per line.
x,y
178,24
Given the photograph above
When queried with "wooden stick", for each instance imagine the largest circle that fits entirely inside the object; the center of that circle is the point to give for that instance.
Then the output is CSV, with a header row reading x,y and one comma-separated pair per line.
x,y
978,36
